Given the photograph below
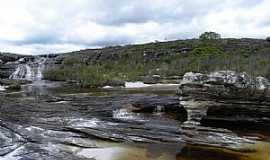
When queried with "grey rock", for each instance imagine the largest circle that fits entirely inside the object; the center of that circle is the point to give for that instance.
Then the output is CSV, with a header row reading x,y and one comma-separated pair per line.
x,y
231,99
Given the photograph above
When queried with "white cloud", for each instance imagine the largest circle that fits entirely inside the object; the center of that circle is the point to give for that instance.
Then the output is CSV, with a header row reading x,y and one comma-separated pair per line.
x,y
42,26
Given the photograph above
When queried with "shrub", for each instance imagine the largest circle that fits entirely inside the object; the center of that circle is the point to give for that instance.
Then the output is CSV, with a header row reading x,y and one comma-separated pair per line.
x,y
206,51
209,36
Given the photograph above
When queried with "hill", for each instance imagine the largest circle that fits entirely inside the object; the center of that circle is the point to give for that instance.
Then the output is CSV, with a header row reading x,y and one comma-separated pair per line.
x,y
153,62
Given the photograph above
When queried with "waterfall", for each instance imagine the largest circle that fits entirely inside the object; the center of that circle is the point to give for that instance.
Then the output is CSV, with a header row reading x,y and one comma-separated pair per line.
x,y
40,68
28,73
31,70
23,71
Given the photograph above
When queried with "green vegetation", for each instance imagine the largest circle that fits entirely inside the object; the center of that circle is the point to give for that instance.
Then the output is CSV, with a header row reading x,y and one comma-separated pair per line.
x,y
210,36
114,65
86,76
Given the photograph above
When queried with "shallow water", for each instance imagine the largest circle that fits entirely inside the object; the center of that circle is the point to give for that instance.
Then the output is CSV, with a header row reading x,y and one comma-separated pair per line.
x,y
116,133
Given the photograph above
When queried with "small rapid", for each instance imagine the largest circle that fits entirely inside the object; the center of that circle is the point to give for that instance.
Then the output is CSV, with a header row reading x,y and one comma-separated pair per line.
x,y
2,88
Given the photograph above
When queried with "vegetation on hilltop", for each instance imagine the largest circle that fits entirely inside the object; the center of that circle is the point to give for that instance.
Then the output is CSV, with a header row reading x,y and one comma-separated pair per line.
x,y
113,65
210,36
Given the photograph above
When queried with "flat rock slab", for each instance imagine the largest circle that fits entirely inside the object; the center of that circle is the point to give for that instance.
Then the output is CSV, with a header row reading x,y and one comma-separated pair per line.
x,y
60,126
9,140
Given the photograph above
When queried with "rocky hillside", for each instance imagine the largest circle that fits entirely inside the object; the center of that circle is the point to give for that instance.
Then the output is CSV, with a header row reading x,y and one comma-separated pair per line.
x,y
156,51
153,62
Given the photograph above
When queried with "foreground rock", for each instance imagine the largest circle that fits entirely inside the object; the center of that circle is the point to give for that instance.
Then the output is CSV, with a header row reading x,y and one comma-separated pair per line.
x,y
228,99
60,126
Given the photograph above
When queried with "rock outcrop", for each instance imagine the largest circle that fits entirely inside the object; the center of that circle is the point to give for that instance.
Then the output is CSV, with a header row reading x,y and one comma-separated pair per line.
x,y
158,104
229,99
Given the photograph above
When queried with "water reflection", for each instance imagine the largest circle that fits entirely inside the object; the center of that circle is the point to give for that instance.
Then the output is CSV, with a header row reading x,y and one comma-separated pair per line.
x,y
39,89
200,153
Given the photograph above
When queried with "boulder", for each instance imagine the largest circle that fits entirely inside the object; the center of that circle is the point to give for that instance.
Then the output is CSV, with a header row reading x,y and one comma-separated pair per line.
x,y
149,104
165,104
224,85
230,99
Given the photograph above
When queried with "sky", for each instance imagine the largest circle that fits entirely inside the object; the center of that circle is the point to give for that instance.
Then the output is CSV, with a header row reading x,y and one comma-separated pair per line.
x,y
55,26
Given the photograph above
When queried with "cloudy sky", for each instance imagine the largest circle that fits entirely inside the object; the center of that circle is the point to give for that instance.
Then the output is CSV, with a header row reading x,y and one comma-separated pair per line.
x,y
49,26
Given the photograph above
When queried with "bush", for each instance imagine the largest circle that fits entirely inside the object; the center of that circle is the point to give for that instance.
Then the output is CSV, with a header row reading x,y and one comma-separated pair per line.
x,y
210,36
206,51
86,76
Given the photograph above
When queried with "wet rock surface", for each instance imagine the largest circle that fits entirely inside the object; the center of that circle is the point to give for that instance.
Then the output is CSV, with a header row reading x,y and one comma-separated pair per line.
x,y
155,104
41,125
230,99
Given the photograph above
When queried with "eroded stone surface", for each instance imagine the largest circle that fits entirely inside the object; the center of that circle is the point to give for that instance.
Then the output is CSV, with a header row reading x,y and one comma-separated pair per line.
x,y
57,126
231,99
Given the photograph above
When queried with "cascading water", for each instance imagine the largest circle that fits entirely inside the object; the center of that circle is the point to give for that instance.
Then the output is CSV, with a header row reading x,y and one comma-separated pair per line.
x,y
23,71
31,70
40,68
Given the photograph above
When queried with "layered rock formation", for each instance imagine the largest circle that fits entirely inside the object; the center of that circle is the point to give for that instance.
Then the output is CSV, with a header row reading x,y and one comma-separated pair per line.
x,y
227,99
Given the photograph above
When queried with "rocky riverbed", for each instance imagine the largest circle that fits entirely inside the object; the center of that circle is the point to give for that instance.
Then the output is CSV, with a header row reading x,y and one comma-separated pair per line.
x,y
49,120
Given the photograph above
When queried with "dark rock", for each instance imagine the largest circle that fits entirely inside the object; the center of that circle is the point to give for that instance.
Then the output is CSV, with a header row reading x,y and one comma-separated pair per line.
x,y
8,82
9,57
202,153
248,116
7,69
158,103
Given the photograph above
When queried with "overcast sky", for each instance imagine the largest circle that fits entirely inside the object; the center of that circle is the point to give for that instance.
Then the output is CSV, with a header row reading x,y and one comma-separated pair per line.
x,y
46,26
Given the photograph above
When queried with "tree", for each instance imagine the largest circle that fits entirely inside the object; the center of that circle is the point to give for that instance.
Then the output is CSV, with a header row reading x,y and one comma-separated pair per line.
x,y
209,36
268,39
